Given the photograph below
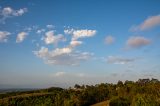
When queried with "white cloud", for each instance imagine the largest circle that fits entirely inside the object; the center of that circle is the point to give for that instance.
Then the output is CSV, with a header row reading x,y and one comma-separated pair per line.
x,y
39,31
137,42
109,40
42,53
68,31
149,23
66,55
61,51
19,12
50,26
21,36
51,38
119,60
58,74
30,28
8,12
4,35
75,43
83,34
62,56
65,74
76,34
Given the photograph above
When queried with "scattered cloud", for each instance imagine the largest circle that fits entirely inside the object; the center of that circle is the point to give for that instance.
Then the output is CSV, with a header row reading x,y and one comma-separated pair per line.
x,y
21,36
39,31
8,12
61,73
137,42
62,56
31,28
83,33
66,55
67,74
119,60
69,31
4,35
61,51
109,40
149,23
50,26
51,38
75,43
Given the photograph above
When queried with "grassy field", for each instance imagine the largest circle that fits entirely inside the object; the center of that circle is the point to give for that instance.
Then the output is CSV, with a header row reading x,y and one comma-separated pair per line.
x,y
23,95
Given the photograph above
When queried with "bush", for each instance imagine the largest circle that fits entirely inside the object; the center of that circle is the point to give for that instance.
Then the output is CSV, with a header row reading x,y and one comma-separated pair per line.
x,y
119,101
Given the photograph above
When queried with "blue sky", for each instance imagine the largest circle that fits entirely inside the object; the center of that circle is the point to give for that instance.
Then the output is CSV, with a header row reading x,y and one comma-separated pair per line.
x,y
64,42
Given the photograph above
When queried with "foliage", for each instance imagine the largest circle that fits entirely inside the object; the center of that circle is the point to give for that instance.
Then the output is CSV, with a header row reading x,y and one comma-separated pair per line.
x,y
119,101
144,92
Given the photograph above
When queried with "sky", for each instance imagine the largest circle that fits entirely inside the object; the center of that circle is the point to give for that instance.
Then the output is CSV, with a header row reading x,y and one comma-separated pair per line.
x,y
67,42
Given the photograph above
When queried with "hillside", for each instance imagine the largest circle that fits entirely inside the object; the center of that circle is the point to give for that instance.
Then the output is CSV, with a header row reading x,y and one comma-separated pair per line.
x,y
144,92
104,103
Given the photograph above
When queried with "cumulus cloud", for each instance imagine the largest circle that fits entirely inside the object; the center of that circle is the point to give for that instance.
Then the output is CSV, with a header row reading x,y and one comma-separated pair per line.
x,y
83,33
66,55
21,36
137,42
8,12
149,23
75,43
4,35
109,40
119,60
62,56
51,38
61,51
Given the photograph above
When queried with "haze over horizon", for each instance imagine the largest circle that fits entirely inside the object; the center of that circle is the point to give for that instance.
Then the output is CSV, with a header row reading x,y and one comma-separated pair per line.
x,y
67,42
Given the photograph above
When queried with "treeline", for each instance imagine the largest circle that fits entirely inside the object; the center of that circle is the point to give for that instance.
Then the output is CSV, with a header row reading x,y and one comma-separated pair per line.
x,y
144,92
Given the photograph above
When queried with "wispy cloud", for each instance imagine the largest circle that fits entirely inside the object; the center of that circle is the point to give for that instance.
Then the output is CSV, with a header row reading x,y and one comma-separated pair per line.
x,y
119,60
109,40
8,12
39,31
58,74
67,74
137,42
149,23
69,31
21,36
50,26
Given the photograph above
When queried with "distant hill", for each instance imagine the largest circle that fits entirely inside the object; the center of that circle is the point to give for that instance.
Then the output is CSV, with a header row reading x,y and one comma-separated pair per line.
x,y
144,92
16,90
